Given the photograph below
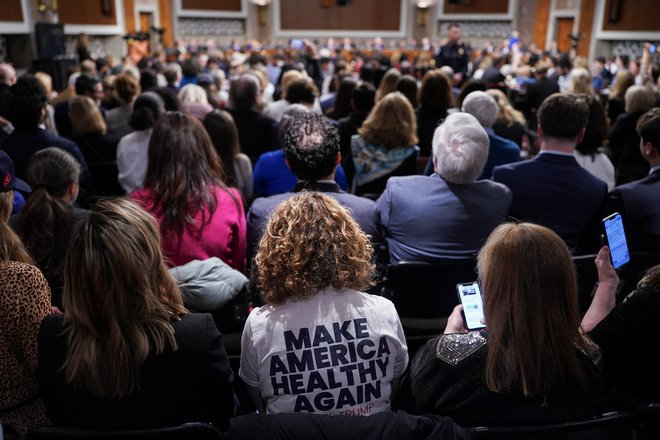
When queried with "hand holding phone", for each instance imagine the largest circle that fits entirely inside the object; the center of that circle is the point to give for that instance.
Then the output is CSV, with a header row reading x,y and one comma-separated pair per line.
x,y
473,307
616,240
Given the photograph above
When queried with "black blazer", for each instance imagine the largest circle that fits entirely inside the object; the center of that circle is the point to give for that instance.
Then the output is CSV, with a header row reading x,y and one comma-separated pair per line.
x,y
193,383
554,191
257,133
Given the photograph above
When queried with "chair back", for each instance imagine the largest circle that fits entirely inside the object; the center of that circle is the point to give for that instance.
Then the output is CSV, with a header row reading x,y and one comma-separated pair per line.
x,y
186,431
609,426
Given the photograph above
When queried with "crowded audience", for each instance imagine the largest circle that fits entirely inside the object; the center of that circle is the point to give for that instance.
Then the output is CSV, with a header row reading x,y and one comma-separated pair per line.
x,y
313,172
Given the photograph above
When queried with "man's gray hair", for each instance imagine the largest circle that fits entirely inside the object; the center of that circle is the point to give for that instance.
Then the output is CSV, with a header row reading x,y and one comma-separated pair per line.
x,y
460,148
482,106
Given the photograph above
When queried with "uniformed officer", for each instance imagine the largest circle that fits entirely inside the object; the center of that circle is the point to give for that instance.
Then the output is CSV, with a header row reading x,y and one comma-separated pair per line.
x,y
454,54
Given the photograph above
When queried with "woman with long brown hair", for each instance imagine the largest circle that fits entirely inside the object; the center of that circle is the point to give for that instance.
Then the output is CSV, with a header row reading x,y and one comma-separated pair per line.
x,y
386,145
24,302
532,362
126,353
184,189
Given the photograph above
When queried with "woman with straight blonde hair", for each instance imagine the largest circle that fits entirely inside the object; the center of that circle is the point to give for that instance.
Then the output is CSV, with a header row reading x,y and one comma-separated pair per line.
x,y
126,353
314,263
616,102
388,83
386,145
531,362
510,123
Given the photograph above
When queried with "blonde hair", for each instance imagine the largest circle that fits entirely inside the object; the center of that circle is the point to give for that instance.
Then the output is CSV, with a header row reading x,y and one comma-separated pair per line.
x,y
526,270
388,83
311,242
580,81
192,93
86,118
119,298
287,78
391,123
639,99
506,112
11,247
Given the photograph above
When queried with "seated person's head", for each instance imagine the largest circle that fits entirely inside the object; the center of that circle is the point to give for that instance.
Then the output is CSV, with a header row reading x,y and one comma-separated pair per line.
x,y
311,145
596,130
115,273
648,128
482,106
27,103
460,148
563,117
147,108
301,91
89,85
639,99
310,243
363,98
243,93
126,88
526,271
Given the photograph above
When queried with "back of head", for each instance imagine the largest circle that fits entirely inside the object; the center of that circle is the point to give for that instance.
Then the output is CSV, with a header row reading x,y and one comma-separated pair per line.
x,y
407,85
525,271
563,116
223,133
243,93
147,108
435,94
580,81
26,103
192,93
126,88
596,129
7,74
311,243
363,97
183,166
391,123
120,300
85,116
648,128
460,148
639,99
287,78
169,96
301,91
624,79
388,83
311,145
148,79
86,84
51,173
482,106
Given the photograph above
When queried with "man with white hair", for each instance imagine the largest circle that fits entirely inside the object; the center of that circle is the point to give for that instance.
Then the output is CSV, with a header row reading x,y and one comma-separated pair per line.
x,y
502,151
448,215
7,79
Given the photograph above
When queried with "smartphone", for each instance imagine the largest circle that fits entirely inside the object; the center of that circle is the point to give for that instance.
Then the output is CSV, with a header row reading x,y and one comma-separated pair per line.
x,y
473,306
652,48
297,44
616,240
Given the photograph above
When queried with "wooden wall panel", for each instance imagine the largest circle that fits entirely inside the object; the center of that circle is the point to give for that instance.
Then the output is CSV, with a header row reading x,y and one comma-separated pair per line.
x,y
541,23
367,15
165,11
11,10
634,15
585,26
478,7
213,5
86,12
129,16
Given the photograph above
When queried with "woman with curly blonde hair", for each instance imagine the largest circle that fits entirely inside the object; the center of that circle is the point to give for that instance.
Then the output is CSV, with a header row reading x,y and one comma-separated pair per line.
x,y
320,344
386,145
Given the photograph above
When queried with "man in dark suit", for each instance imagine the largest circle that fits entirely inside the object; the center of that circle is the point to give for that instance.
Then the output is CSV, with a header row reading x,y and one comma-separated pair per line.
x,y
537,92
257,133
553,189
638,202
448,215
311,146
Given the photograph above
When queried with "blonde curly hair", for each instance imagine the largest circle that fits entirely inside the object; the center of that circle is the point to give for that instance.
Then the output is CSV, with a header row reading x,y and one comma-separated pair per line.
x,y
311,242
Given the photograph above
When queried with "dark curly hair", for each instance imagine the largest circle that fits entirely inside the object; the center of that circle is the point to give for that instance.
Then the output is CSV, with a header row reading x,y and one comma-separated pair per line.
x,y
311,145
311,242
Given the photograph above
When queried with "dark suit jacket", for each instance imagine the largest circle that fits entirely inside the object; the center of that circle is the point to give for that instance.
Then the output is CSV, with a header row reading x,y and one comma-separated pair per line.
x,y
624,148
554,191
192,383
639,205
500,152
257,133
22,144
363,210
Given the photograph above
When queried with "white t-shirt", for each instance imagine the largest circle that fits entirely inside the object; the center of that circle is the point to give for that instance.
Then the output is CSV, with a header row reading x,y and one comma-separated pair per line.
x,y
334,353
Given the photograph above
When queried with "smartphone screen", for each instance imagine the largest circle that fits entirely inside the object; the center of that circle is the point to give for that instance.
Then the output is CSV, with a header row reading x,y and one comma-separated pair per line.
x,y
297,44
616,240
473,307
